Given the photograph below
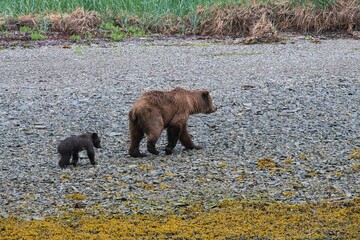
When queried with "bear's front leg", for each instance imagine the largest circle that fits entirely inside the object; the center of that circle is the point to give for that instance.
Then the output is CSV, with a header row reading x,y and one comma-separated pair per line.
x,y
186,141
91,155
173,134
64,160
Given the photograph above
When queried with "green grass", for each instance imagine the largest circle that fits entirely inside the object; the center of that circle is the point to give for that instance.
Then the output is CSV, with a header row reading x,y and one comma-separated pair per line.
x,y
75,38
110,27
117,36
117,33
37,36
25,29
136,7
135,31
26,45
79,51
111,8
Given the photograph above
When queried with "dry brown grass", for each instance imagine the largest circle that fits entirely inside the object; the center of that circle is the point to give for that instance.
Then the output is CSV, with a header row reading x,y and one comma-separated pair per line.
x,y
256,23
170,24
28,20
11,23
263,31
344,16
265,21
77,22
14,24
123,22
231,20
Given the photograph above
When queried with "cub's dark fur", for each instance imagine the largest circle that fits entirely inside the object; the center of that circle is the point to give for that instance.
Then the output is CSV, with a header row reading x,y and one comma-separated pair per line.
x,y
71,146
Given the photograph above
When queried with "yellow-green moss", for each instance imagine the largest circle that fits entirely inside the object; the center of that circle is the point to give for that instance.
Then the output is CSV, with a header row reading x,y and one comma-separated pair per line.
x,y
65,176
303,156
222,165
266,163
230,220
146,186
146,168
288,160
75,196
355,166
169,174
355,154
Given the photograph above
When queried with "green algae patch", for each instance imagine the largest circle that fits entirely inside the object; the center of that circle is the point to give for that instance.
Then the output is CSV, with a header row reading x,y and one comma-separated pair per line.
x,y
228,220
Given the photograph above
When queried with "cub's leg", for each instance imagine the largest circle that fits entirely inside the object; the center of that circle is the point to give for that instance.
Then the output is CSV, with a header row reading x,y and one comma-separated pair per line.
x,y
173,134
64,160
91,154
186,141
75,159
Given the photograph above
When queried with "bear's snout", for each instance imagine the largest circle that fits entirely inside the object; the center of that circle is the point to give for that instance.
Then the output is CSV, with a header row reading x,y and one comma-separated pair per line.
x,y
212,109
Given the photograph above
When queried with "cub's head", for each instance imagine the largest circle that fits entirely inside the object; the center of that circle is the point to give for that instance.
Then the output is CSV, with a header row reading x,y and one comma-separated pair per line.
x,y
208,105
95,140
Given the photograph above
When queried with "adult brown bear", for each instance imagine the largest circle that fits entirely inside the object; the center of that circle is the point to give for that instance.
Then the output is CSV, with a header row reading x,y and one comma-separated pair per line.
x,y
154,111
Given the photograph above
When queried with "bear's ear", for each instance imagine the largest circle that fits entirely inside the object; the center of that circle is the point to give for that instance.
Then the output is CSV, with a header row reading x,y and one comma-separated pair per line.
x,y
94,136
205,94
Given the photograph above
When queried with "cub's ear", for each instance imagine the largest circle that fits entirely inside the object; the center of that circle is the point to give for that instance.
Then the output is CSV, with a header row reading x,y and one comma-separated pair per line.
x,y
205,94
94,135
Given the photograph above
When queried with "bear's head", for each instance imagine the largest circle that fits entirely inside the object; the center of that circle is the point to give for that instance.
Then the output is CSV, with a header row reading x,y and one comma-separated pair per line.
x,y
95,140
208,106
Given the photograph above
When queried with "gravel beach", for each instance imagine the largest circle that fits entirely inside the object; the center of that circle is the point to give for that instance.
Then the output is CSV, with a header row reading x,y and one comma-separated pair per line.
x,y
287,120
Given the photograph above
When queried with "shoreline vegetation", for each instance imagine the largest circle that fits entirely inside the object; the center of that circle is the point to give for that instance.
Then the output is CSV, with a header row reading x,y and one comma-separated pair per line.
x,y
226,220
259,20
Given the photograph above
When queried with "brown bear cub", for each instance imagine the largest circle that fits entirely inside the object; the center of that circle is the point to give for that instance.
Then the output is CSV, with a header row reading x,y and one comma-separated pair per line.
x,y
71,146
154,111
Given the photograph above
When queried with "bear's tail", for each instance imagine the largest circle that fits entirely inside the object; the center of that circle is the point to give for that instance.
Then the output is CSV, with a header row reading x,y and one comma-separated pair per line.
x,y
132,115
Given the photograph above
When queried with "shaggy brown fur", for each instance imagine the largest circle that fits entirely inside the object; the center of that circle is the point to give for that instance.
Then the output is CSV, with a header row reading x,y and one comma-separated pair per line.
x,y
154,111
71,146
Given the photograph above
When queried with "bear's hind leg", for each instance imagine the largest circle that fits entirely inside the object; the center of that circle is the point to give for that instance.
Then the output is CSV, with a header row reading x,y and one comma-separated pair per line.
x,y
152,138
136,135
153,129
173,133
